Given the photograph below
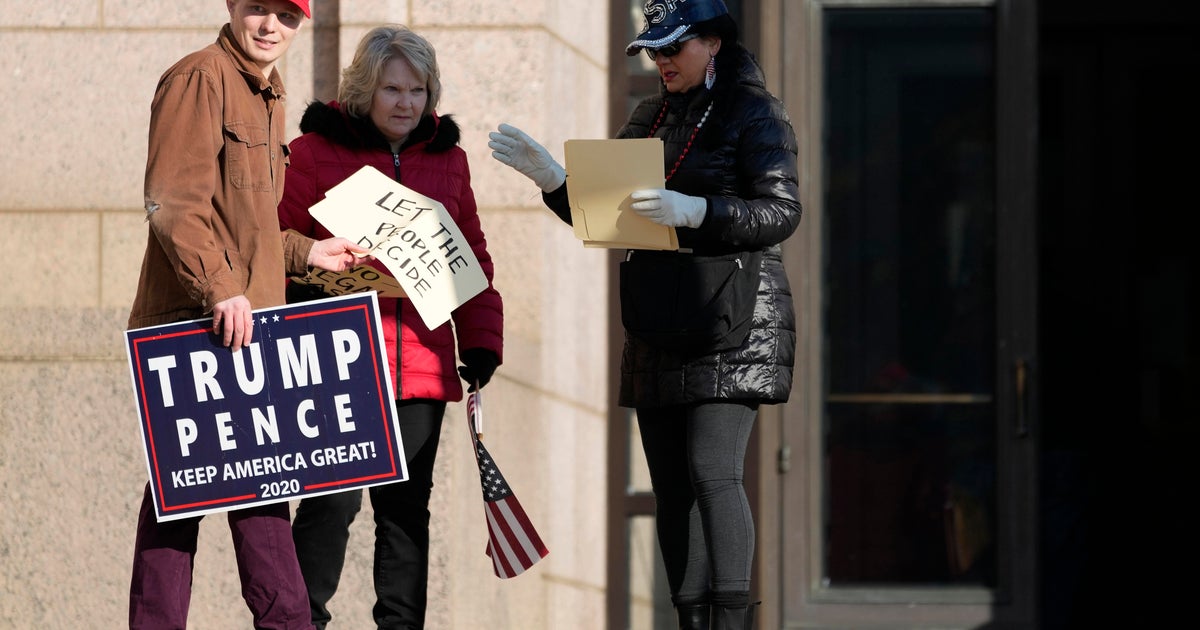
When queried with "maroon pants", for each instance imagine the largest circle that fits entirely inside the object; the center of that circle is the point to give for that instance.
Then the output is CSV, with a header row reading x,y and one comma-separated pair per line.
x,y
163,555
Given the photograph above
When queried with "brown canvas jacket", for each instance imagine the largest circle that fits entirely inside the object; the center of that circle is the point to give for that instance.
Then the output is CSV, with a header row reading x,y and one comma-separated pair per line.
x,y
214,177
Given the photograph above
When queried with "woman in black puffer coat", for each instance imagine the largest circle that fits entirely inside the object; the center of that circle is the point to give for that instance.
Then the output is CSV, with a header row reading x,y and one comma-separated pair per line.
x,y
731,190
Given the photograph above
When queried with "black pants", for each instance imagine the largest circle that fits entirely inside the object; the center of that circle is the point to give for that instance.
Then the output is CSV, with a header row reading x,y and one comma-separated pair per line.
x,y
695,454
322,528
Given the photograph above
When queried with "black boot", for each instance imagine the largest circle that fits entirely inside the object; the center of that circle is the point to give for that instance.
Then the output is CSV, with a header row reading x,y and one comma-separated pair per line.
x,y
692,616
733,617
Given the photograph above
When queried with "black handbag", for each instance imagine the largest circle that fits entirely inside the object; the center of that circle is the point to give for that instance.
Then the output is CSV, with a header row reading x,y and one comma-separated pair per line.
x,y
689,304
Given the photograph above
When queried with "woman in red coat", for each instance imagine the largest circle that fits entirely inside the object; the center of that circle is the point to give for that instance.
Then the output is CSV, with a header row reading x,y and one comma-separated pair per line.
x,y
384,117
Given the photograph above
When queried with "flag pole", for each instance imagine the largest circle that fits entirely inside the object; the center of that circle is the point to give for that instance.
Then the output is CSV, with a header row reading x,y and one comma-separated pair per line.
x,y
477,417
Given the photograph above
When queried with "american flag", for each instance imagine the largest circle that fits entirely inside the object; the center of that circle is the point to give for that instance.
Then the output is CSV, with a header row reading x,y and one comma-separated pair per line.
x,y
513,543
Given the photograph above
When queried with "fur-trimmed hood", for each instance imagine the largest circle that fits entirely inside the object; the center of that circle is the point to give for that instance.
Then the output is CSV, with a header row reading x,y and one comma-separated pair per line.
x,y
332,121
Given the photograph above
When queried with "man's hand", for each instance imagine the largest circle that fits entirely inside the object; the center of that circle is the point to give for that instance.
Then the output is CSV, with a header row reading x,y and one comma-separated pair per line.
x,y
337,254
234,322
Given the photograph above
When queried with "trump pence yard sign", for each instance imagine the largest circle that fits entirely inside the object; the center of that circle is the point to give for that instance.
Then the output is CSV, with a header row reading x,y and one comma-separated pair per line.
x,y
306,409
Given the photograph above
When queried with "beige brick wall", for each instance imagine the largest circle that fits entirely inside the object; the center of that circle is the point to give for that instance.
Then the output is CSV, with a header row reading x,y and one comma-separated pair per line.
x,y
76,77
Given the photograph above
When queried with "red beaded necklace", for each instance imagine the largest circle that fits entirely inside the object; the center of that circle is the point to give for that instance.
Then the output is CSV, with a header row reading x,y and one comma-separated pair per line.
x,y
688,147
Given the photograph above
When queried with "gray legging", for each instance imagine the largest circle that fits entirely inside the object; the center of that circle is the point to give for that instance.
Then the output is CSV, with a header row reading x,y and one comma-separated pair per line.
x,y
695,454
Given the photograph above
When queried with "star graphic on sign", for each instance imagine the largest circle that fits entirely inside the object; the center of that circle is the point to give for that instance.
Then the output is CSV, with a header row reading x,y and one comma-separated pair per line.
x,y
276,319
263,319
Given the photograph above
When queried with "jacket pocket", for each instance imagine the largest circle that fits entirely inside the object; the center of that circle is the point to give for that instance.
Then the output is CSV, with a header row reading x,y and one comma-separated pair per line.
x,y
248,156
689,304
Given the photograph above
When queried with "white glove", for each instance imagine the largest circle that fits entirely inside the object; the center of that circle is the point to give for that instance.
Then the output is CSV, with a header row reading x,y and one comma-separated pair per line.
x,y
667,207
511,146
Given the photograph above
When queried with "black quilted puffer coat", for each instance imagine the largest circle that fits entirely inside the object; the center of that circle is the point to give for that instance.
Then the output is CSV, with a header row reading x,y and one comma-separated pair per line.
x,y
743,162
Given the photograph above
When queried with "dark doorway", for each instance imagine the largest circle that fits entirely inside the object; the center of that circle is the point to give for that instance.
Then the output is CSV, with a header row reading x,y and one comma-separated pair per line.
x,y
1120,310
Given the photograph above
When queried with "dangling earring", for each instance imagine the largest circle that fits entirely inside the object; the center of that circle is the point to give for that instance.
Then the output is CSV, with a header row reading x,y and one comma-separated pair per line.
x,y
710,73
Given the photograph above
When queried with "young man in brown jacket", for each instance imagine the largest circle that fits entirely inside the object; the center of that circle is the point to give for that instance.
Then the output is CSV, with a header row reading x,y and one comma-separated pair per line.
x,y
214,177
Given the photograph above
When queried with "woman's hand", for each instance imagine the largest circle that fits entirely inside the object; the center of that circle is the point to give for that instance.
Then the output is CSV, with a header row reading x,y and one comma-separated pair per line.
x,y
478,366
667,207
513,147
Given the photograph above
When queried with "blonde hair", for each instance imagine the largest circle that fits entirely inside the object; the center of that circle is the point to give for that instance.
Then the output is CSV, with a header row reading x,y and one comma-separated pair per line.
x,y
381,45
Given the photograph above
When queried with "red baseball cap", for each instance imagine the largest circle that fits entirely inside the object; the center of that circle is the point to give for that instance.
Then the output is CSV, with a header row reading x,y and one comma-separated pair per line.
x,y
303,4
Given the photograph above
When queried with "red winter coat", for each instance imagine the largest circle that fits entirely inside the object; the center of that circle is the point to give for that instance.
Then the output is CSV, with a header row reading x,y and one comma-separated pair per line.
x,y
334,146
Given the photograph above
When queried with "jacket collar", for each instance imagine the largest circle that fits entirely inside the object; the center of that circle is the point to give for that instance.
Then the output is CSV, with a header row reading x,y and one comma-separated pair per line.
x,y
736,71
253,75
434,134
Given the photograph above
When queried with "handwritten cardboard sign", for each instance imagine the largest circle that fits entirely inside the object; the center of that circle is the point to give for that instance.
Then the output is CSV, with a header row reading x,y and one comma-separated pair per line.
x,y
307,409
360,279
412,235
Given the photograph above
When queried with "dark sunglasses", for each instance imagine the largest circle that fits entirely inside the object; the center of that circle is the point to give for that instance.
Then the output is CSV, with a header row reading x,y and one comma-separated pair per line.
x,y
670,50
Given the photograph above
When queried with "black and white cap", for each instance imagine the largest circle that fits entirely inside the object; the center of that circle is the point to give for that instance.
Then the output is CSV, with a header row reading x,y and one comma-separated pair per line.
x,y
668,20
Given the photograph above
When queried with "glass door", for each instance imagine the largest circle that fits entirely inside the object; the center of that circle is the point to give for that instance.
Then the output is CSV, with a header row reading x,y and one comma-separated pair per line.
x,y
914,502
910,309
